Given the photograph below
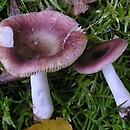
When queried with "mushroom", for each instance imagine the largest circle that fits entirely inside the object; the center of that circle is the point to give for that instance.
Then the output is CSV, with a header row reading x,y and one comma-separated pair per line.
x,y
100,58
45,41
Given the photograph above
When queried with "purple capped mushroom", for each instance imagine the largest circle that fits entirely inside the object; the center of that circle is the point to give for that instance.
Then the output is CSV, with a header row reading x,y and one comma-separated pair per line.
x,y
32,44
101,57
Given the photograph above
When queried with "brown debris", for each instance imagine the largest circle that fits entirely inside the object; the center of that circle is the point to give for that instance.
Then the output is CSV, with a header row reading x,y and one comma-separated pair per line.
x,y
79,6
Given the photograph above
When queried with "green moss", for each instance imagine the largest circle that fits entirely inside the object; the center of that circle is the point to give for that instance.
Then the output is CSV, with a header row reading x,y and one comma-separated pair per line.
x,y
85,100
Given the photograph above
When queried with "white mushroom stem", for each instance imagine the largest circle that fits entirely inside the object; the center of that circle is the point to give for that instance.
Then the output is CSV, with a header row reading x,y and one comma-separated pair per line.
x,y
41,98
120,93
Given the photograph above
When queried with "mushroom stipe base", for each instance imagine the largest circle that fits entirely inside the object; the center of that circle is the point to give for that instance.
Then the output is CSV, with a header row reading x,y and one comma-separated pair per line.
x,y
124,111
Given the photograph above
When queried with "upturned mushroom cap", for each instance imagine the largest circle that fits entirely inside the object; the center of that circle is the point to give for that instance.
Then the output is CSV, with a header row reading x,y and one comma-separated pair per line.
x,y
94,59
45,41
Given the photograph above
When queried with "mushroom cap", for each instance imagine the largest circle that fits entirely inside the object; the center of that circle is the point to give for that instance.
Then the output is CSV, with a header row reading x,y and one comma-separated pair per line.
x,y
43,41
94,59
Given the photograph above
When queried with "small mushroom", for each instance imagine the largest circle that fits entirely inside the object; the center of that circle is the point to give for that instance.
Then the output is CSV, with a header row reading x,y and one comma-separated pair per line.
x,y
45,41
100,58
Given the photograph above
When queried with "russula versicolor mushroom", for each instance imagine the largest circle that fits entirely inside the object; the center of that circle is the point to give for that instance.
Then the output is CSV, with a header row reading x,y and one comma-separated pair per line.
x,y
46,41
100,58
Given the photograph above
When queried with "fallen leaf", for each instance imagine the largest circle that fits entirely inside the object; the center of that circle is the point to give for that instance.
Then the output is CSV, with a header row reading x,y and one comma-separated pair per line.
x,y
58,124
78,6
